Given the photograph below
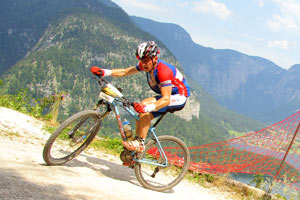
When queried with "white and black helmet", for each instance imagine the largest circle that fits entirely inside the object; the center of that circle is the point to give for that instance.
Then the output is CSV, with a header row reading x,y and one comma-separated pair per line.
x,y
147,50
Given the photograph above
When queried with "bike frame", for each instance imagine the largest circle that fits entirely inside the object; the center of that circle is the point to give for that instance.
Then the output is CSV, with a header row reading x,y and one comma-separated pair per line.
x,y
117,103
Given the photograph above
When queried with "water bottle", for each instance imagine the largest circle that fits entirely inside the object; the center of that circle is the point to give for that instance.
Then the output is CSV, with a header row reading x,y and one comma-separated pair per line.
x,y
127,130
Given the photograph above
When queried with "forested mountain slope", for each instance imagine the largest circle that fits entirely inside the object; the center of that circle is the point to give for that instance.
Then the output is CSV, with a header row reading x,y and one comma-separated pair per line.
x,y
71,37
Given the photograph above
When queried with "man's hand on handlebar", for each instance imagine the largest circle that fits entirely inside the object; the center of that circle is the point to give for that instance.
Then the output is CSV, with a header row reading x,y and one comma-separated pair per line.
x,y
100,72
138,107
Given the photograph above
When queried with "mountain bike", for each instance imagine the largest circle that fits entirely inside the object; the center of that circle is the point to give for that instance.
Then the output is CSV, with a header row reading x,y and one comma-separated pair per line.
x,y
162,164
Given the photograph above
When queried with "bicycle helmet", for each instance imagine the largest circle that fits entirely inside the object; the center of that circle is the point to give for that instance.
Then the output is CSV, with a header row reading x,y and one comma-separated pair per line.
x,y
147,50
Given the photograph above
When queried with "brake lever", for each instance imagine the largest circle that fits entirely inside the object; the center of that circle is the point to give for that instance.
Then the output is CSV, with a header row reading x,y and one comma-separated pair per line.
x,y
127,103
101,80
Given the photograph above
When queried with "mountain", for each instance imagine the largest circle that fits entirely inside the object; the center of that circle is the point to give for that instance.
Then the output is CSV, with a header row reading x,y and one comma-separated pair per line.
x,y
17,37
249,85
63,39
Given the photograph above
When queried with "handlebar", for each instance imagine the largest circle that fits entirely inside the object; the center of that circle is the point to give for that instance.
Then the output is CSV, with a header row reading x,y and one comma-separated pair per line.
x,y
101,81
126,102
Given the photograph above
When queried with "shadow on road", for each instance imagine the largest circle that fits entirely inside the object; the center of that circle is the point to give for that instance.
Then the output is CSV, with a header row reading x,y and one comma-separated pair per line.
x,y
109,169
14,186
106,168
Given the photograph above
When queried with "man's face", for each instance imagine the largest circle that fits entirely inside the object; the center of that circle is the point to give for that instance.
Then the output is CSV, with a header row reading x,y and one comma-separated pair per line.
x,y
147,63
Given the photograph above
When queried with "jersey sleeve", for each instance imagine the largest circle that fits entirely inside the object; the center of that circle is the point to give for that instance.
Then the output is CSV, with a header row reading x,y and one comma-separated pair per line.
x,y
165,76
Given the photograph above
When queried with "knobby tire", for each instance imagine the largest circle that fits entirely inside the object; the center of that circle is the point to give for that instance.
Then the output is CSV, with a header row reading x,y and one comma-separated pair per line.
x,y
169,176
81,117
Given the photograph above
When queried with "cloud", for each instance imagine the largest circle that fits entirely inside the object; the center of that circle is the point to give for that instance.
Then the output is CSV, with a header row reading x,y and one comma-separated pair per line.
x,y
212,7
181,4
283,44
289,17
151,7
260,3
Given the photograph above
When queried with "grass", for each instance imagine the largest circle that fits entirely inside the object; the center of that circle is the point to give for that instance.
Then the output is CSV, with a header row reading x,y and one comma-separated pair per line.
x,y
49,128
11,134
235,133
109,145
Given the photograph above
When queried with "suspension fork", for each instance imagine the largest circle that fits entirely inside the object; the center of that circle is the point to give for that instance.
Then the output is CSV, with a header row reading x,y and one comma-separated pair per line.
x,y
99,103
72,132
91,130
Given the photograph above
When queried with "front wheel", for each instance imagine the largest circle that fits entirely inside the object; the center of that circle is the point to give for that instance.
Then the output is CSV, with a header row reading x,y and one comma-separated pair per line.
x,y
170,171
71,137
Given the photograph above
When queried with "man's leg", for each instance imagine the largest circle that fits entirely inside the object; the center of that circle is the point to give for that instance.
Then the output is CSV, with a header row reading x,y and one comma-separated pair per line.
x,y
143,125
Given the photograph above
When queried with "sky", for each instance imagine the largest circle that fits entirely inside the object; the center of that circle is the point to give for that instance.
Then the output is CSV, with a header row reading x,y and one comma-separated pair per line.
x,y
264,28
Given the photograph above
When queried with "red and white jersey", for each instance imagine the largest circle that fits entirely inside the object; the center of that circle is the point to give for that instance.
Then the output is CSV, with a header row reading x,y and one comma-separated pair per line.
x,y
166,74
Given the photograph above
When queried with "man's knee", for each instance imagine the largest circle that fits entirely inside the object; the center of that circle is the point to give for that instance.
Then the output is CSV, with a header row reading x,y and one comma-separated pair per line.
x,y
148,116
149,100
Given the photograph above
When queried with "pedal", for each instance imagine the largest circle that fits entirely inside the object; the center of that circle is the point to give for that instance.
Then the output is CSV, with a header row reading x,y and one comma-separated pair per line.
x,y
130,165
126,164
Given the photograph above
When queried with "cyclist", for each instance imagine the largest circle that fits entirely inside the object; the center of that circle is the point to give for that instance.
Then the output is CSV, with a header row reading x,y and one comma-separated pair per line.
x,y
163,78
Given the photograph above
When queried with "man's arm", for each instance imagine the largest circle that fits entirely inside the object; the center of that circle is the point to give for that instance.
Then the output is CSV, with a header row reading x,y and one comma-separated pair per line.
x,y
155,105
164,101
124,72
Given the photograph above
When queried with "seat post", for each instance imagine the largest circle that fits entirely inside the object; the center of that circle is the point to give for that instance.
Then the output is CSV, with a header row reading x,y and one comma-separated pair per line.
x,y
159,119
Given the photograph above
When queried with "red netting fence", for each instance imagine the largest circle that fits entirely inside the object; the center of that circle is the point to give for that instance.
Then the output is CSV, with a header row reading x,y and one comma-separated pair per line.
x,y
273,151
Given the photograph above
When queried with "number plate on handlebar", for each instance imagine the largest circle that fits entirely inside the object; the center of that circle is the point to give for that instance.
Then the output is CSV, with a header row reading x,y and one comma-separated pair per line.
x,y
106,97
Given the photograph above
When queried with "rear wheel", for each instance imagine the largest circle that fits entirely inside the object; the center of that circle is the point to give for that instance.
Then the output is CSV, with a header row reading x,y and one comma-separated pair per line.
x,y
71,137
160,178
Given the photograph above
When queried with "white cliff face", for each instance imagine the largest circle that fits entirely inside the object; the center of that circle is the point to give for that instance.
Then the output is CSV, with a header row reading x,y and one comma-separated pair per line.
x,y
191,109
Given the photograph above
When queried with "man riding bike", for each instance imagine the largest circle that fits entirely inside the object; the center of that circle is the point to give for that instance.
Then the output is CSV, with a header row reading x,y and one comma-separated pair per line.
x,y
163,78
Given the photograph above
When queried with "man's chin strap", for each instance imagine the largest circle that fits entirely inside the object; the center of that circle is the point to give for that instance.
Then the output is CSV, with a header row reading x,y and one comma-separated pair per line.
x,y
152,65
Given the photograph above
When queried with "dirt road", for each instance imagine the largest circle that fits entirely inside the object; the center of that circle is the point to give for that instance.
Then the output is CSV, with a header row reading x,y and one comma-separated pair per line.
x,y
92,175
